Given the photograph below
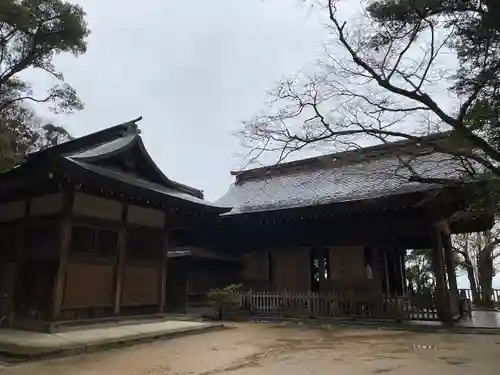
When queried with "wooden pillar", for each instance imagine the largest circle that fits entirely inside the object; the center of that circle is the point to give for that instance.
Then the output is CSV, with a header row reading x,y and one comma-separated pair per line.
x,y
403,270
270,269
64,243
442,300
164,260
396,267
23,233
377,278
377,268
120,262
386,270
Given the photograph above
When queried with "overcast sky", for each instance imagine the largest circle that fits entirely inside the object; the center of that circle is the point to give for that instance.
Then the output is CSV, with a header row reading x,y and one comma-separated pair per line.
x,y
193,69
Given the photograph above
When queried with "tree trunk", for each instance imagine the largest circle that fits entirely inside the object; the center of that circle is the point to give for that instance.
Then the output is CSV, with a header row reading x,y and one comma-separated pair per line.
x,y
473,286
472,279
485,271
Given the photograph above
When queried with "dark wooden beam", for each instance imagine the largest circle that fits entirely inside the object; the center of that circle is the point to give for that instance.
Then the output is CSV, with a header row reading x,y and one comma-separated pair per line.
x,y
377,266
120,261
164,260
22,232
403,270
386,274
64,243
38,184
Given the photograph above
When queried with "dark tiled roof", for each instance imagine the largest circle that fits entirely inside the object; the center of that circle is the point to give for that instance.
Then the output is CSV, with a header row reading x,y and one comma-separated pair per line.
x,y
342,177
89,141
137,181
105,149
94,153
120,143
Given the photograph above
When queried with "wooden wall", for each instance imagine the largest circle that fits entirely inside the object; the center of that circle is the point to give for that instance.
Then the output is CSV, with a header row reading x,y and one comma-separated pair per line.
x,y
46,204
140,280
348,271
89,285
145,216
108,209
88,205
347,264
291,269
89,278
256,267
141,285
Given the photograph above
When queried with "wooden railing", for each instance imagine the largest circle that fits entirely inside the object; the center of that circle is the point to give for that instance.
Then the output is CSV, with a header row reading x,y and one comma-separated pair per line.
x,y
495,297
334,305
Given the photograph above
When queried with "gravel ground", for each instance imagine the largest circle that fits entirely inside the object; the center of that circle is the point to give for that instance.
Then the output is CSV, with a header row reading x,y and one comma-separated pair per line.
x,y
287,349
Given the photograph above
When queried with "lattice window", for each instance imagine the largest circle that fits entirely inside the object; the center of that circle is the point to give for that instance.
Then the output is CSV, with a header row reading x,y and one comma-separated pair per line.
x,y
100,242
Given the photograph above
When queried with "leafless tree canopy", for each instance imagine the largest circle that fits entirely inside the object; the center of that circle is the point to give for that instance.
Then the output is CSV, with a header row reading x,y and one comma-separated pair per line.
x,y
384,79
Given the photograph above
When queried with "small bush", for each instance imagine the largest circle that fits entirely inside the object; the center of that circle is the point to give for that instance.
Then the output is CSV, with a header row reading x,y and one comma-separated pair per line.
x,y
224,299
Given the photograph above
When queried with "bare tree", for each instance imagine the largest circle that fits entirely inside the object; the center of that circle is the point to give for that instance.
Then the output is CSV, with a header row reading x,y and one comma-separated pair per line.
x,y
478,255
403,70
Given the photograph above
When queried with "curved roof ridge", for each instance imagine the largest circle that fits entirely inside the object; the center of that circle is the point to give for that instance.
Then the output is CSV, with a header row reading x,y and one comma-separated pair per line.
x,y
90,140
350,156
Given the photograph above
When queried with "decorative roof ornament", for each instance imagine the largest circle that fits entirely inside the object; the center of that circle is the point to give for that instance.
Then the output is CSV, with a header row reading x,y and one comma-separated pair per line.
x,y
131,127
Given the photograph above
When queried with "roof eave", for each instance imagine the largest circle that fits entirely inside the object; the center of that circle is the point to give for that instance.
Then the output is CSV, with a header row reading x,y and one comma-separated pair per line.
x,y
72,170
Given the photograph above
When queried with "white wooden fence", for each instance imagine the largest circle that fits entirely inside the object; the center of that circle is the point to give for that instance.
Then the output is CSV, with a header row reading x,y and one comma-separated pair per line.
x,y
330,305
495,297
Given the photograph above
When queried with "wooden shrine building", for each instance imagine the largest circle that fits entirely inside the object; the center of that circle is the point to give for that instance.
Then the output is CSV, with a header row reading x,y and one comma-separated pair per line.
x,y
341,224
85,227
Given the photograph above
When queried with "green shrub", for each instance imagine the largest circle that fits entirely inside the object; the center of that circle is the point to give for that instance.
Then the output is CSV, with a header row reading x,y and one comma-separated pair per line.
x,y
224,299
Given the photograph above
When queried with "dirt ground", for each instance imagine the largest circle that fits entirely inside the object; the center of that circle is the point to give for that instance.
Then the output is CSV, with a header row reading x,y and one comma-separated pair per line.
x,y
288,349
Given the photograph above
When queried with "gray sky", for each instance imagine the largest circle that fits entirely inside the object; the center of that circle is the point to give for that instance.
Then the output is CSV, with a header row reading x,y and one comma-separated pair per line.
x,y
194,70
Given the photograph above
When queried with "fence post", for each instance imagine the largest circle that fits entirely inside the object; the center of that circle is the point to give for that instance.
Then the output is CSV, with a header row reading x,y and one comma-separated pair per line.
x,y
286,302
309,304
250,300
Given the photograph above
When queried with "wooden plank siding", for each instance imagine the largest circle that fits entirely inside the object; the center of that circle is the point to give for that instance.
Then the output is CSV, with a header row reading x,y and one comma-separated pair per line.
x,y
347,264
89,285
291,269
256,267
140,285
277,269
